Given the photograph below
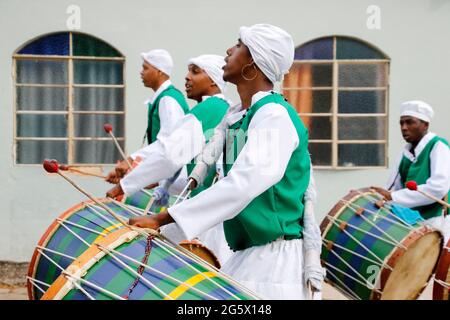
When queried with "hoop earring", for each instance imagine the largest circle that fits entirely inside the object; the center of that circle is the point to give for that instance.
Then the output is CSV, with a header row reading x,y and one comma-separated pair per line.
x,y
242,72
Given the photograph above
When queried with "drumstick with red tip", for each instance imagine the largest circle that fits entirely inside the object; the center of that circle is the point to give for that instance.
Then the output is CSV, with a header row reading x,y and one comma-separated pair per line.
x,y
109,129
64,167
52,166
412,185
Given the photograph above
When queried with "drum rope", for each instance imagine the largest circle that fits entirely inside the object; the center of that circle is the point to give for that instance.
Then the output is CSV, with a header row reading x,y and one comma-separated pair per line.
x,y
178,282
195,269
442,283
387,208
56,252
366,232
92,209
79,226
140,270
119,216
399,222
354,253
77,236
133,210
396,242
374,200
350,291
372,287
67,275
33,282
356,240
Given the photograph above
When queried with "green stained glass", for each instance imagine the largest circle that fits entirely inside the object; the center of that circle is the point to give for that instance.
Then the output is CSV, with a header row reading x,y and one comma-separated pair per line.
x,y
84,45
347,48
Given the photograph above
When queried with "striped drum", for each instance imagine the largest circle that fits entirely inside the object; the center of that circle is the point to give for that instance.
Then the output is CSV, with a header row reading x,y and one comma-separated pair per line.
x,y
441,286
141,198
369,253
129,264
68,237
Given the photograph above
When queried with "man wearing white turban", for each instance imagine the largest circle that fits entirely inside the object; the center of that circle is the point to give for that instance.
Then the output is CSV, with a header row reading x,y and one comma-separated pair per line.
x,y
163,158
426,160
267,173
166,107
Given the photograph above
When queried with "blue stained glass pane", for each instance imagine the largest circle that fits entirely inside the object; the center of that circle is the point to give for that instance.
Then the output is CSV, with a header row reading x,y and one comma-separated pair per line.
x,y
321,49
55,44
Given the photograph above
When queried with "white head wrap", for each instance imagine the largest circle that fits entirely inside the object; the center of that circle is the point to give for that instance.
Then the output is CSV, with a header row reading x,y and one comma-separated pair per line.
x,y
160,59
271,48
212,64
417,109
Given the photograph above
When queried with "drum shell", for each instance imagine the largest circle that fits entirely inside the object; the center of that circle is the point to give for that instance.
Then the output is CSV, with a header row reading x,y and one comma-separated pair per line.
x,y
100,268
58,238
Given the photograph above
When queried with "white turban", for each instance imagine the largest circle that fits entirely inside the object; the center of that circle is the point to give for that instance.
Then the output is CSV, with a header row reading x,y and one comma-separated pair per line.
x,y
271,48
417,109
212,64
160,59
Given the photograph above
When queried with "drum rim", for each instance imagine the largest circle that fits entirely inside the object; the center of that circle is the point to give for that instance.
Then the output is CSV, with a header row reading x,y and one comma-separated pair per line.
x,y
49,232
396,254
442,273
338,208
80,262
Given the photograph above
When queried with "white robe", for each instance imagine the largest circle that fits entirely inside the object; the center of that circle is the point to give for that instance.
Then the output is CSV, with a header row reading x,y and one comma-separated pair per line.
x,y
274,270
170,112
437,185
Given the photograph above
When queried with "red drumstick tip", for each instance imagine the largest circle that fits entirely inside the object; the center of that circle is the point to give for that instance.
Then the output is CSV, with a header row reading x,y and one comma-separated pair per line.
x,y
51,166
411,185
63,167
108,127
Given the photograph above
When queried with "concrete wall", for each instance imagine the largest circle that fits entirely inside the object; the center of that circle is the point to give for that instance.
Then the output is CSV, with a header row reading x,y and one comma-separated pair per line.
x,y
414,34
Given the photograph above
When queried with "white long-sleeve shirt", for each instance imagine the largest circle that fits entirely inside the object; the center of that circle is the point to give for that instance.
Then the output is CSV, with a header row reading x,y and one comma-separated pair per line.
x,y
272,138
170,112
167,154
437,185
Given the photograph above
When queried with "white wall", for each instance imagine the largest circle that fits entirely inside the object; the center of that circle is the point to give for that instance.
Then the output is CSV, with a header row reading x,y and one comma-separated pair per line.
x,y
415,35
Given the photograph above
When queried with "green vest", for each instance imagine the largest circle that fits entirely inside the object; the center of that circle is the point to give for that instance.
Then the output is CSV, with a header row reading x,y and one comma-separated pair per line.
x,y
210,113
154,123
420,171
278,211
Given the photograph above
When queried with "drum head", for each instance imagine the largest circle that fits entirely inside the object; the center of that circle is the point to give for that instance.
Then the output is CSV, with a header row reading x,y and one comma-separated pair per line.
x,y
413,268
197,248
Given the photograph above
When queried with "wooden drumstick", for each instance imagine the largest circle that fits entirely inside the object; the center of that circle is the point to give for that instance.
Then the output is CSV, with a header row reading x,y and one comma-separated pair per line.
x,y
68,168
52,166
412,185
109,129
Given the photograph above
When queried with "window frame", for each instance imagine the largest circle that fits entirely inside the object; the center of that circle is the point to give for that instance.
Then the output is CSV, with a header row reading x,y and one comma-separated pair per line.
x,y
70,112
335,115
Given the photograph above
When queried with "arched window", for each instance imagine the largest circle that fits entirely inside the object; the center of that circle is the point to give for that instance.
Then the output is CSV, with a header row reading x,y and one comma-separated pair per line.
x,y
339,86
67,85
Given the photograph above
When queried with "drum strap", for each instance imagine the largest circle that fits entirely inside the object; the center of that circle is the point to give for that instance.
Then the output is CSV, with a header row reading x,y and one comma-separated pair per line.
x,y
141,268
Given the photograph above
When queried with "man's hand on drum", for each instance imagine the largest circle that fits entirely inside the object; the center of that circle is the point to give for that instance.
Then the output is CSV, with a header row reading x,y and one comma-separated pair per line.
x,y
115,191
385,193
152,221
119,171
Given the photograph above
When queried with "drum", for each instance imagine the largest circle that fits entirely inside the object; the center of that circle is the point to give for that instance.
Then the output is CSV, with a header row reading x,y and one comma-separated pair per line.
x,y
370,253
68,237
141,198
127,264
441,286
